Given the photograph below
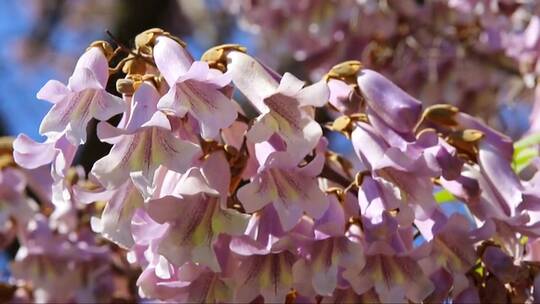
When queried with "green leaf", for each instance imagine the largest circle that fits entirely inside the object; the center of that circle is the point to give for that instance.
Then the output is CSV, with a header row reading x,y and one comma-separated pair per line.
x,y
527,141
525,150
444,196
523,158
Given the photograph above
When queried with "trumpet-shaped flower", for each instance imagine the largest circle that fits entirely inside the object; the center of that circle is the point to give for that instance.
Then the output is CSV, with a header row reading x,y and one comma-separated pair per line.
x,y
197,90
82,99
282,106
390,268
329,255
143,145
196,213
291,189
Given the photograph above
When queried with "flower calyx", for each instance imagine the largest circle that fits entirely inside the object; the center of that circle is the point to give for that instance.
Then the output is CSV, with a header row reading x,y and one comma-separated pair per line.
x,y
145,41
440,115
216,57
127,86
466,142
345,71
104,46
345,124
6,152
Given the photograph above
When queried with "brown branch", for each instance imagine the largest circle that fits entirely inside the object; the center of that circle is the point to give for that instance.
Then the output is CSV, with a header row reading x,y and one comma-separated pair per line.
x,y
332,175
124,48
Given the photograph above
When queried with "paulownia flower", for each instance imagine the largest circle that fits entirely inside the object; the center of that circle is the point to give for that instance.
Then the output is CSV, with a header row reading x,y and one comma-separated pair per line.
x,y
393,105
328,255
13,204
377,196
263,236
190,283
391,267
451,248
58,267
115,221
194,88
162,280
197,214
412,175
268,275
59,154
82,99
30,154
281,105
143,145
291,189
343,97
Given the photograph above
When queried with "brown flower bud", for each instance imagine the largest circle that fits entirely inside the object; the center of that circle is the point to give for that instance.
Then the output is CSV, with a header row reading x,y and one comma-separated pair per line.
x,y
345,71
105,47
216,57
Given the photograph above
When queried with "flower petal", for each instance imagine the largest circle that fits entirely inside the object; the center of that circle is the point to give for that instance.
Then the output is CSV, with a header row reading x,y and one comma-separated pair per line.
x,y
208,105
316,95
116,218
144,111
30,154
171,59
53,91
105,105
261,129
172,104
251,78
290,85
95,61
84,79
175,154
397,108
253,196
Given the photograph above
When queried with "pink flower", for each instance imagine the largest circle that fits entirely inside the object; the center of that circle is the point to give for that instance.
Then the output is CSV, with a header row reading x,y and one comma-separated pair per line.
x,y
59,267
14,205
163,280
196,213
343,97
328,256
31,155
452,249
282,106
291,189
395,107
409,172
115,221
377,196
391,267
263,236
59,154
267,275
144,144
82,99
197,90
189,283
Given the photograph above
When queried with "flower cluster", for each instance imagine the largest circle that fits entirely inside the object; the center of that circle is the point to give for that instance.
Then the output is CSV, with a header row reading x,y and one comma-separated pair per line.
x,y
216,206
